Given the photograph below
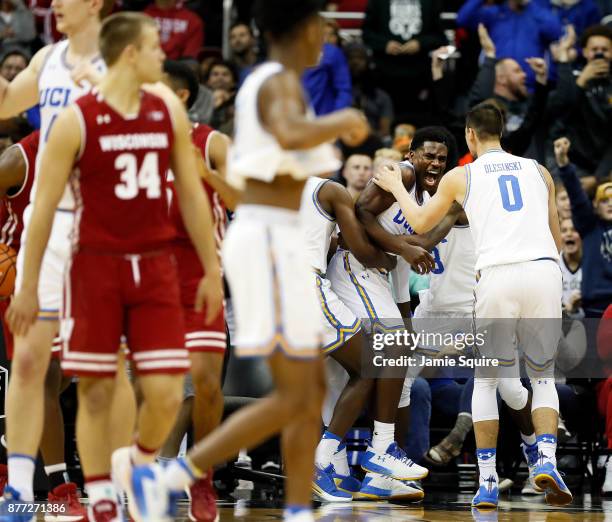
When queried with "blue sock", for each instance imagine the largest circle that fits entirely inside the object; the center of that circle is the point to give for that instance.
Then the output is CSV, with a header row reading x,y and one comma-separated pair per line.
x,y
547,448
329,435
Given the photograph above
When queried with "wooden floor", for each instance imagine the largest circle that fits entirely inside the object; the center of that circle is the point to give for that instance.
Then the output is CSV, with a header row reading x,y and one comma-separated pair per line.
x,y
436,507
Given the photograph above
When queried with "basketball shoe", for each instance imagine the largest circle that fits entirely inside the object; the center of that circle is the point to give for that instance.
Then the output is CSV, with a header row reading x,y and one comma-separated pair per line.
x,y
381,487
393,463
530,452
152,500
487,496
203,500
548,478
324,486
13,509
72,510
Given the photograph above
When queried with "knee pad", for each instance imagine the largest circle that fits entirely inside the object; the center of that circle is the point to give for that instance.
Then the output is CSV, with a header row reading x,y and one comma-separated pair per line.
x,y
484,399
404,401
512,391
544,393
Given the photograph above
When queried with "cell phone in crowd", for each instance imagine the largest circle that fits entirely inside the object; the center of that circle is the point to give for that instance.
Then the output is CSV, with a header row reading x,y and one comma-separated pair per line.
x,y
450,50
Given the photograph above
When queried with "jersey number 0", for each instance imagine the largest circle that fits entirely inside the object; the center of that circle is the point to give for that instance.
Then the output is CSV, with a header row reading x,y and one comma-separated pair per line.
x,y
512,200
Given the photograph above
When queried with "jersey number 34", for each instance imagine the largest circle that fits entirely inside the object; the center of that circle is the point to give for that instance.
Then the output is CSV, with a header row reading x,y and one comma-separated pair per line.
x,y
134,179
510,190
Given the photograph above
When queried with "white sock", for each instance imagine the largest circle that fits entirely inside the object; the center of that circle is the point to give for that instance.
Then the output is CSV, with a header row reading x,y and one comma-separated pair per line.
x,y
180,474
21,475
340,461
487,465
529,440
328,445
547,448
384,434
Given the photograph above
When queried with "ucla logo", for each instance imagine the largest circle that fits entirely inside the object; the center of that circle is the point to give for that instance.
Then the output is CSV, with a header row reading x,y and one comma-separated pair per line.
x,y
55,97
401,220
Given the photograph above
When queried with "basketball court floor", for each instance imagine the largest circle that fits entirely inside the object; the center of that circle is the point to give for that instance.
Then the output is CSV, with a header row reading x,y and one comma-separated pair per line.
x,y
437,507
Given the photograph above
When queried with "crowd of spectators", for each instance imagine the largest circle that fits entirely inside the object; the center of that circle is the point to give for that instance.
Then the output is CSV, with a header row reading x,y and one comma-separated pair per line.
x,y
544,63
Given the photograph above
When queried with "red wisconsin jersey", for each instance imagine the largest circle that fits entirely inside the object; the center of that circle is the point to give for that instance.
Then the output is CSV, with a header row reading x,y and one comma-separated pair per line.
x,y
17,199
120,177
200,136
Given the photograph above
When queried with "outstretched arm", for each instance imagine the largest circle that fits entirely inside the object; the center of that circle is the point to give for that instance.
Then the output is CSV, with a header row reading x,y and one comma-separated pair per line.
x,y
429,240
283,113
352,231
22,93
423,218
58,157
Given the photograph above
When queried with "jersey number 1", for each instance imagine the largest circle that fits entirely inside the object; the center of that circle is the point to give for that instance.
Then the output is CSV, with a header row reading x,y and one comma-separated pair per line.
x,y
134,179
512,200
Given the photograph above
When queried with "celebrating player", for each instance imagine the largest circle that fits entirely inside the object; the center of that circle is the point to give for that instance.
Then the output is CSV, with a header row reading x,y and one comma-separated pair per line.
x,y
510,204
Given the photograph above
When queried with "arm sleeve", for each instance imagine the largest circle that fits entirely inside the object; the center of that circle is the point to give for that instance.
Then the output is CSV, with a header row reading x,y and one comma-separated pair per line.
x,y
484,84
583,215
341,81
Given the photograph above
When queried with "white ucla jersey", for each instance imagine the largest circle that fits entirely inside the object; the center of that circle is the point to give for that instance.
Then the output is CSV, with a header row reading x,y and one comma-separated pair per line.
x,y
317,224
451,284
506,202
571,280
256,154
56,91
393,220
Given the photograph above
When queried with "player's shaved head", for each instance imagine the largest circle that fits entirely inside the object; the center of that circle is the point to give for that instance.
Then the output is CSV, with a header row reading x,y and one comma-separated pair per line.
x,y
279,18
120,30
486,120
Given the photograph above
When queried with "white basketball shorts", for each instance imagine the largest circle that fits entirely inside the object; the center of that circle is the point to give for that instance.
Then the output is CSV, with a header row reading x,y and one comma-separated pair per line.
x,y
274,299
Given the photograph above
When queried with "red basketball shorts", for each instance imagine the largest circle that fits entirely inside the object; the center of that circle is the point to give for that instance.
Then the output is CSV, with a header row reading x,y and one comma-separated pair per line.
x,y
106,296
199,337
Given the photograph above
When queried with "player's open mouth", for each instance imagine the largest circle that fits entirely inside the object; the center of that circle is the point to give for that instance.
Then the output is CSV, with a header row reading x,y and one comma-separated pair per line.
x,y
430,178
570,243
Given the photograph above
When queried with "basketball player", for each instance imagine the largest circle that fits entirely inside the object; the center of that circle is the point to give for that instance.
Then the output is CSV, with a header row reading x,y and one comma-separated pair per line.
x,y
124,140
450,297
516,239
325,205
56,76
369,295
278,144
206,344
16,180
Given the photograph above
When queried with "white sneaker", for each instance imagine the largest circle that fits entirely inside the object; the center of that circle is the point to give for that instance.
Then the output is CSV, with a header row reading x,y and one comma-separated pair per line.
x,y
606,489
152,501
121,474
392,463
381,487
